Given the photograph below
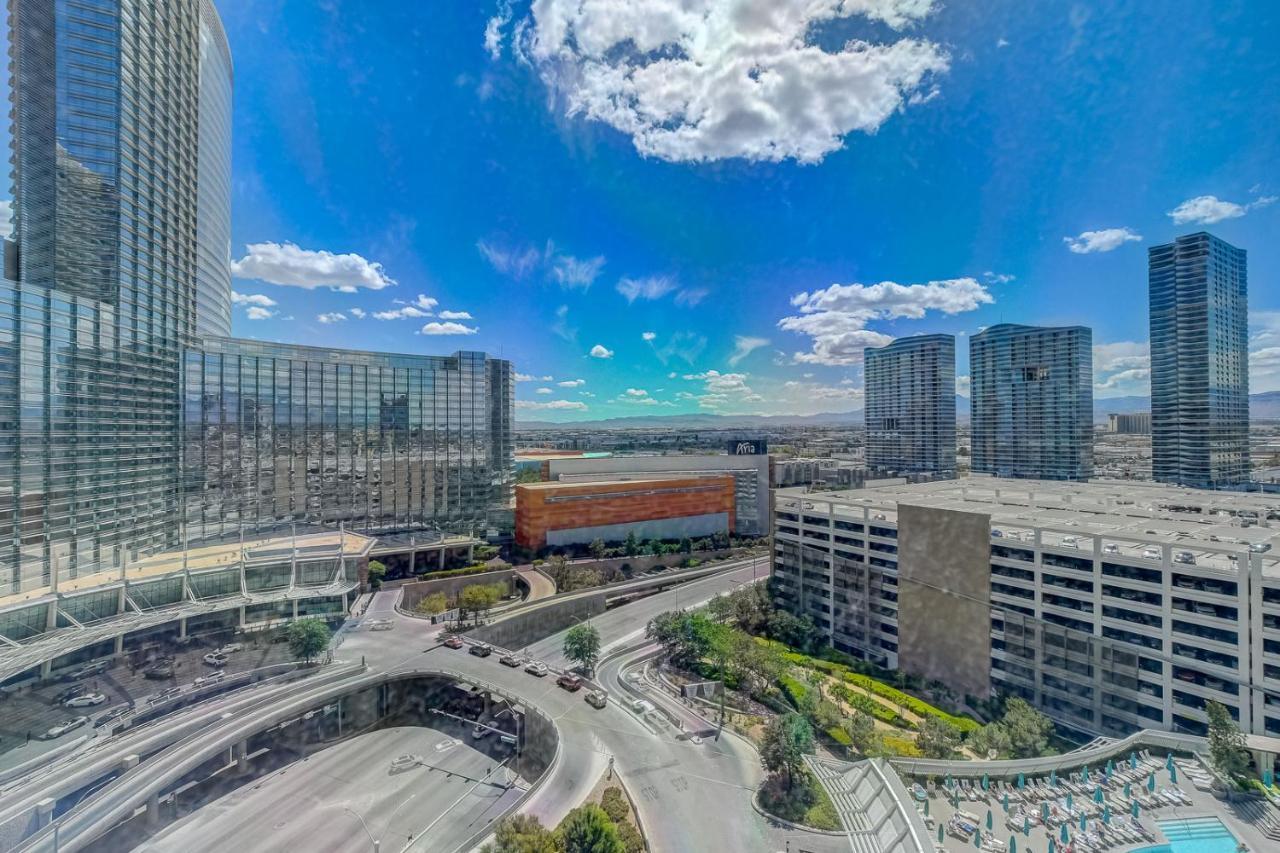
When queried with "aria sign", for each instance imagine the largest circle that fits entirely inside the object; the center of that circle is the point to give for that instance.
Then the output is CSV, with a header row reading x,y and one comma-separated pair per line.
x,y
751,447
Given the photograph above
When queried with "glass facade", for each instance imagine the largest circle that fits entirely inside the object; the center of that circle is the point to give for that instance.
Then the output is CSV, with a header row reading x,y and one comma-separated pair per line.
x,y
911,405
1199,362
277,434
213,192
1032,402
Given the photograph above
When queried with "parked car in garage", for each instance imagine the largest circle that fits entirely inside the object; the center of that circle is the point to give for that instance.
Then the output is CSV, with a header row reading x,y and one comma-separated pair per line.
x,y
111,716
159,671
211,678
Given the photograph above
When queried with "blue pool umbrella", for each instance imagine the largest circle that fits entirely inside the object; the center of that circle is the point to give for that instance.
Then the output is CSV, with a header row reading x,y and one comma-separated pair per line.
x,y
1106,815
1085,775
1069,800
1133,761
977,838
1013,844
1052,847
1083,822
986,782
1026,825
940,833
926,808
1151,783
990,819
1022,780
948,782
1053,778
1110,766
1044,811
1266,778
1097,794
1004,801
1066,836
1173,775
1168,761
1127,789
1133,807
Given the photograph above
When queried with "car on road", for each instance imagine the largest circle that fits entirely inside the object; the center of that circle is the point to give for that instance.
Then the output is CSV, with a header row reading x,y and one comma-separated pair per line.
x,y
404,762
569,682
597,698
88,700
70,693
159,672
512,660
88,671
211,678
111,716
216,659
454,642
641,706
381,625
63,727
478,731
481,650
229,648
164,695
536,667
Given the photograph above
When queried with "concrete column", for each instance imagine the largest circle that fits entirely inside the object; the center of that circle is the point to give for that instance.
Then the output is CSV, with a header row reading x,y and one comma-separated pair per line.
x,y
441,556
471,553
295,608
242,623
153,810
44,812
120,644
413,558
182,628
241,754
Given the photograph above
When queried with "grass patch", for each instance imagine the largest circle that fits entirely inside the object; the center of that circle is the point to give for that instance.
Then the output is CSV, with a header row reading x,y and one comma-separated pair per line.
x,y
805,803
901,746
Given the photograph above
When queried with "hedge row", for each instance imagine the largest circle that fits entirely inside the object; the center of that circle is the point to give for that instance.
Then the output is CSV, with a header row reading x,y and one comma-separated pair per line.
x,y
793,690
870,706
840,736
477,569
911,703
901,746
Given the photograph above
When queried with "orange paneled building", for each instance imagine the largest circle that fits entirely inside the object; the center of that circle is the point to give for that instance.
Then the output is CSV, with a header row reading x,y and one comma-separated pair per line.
x,y
573,513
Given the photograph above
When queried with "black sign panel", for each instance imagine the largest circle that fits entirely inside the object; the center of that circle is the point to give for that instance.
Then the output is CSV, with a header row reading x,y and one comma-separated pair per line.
x,y
749,447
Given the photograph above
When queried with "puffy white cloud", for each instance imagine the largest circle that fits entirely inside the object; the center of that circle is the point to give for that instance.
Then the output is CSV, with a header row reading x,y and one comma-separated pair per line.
x,y
572,383
723,389
704,80
649,287
528,377
1208,209
993,277
257,312
636,392
288,265
447,329
6,219
1123,368
1264,358
331,317
252,299
962,385
544,391
401,313
552,405
1088,242
743,346
456,315
493,30
836,317
601,351
358,313
648,336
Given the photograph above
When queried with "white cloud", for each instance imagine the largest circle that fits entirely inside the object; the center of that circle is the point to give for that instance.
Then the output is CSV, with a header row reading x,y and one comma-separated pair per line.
x,y
286,264
515,263
544,391
331,317
256,312
1122,368
447,329
528,377
649,287
743,346
1088,242
493,30
686,346
1264,358
6,219
722,390
252,299
691,296
699,81
648,336
456,315
402,313
993,277
600,351
572,383
358,313
1208,209
575,273
552,405
837,317
561,328
637,392
963,385
568,271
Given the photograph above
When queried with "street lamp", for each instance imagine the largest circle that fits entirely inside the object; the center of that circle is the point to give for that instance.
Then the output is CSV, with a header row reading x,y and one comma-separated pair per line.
x,y
516,718
377,842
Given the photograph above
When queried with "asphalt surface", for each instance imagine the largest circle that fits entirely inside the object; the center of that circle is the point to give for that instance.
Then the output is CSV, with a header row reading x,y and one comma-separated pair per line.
x,y
540,586
340,799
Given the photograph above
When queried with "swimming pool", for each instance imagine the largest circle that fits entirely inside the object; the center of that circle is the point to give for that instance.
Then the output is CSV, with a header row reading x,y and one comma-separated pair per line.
x,y
1194,835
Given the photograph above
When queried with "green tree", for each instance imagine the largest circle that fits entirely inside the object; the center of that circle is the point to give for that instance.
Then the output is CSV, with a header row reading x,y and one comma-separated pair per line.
x,y
615,804
597,549
786,740
479,599
432,604
686,545
582,645
377,571
308,637
938,738
529,475
631,547
522,834
791,630
991,739
1227,750
1029,730
587,829
861,729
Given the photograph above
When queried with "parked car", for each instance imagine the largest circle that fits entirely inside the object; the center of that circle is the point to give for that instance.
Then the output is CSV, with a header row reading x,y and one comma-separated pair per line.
x,y
211,678
454,642
63,727
569,682
537,668
381,625
216,659
88,670
70,693
641,706
111,716
597,698
481,650
1111,548
1185,557
1151,553
159,672
88,700
229,648
512,660
1070,542
1260,547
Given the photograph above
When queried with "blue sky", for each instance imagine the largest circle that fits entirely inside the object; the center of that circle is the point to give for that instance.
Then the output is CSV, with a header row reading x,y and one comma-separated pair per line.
x,y
727,209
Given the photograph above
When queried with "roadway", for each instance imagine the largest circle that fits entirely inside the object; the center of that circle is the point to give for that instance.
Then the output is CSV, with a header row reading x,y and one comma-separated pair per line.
x,y
344,797
540,586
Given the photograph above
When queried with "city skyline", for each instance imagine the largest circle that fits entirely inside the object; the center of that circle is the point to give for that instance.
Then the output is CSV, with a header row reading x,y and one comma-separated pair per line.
x,y
545,283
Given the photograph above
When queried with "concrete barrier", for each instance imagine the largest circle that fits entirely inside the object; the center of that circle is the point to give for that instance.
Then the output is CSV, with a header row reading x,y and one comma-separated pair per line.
x,y
414,591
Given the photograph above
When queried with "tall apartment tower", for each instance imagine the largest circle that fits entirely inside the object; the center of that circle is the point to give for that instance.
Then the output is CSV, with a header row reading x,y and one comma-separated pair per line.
x,y
911,405
1199,362
1032,402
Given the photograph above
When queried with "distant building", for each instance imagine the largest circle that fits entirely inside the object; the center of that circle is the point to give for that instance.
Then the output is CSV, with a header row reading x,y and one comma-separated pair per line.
x,y
1130,423
578,513
911,405
825,472
1032,402
1199,300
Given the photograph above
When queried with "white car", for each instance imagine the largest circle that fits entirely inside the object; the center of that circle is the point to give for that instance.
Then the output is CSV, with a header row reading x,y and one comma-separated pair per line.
x,y
229,648
1070,542
216,659
1185,557
88,700
641,706
537,668
1151,553
404,762
211,678
63,727
1111,548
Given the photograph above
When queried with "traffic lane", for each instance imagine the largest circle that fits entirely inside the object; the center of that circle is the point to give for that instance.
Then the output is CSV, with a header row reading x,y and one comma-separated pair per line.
x,y
630,619
305,805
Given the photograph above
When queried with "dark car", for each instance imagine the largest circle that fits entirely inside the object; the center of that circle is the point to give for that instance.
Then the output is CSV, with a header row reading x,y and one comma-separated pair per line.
x,y
111,716
159,672
569,682
454,642
70,693
481,650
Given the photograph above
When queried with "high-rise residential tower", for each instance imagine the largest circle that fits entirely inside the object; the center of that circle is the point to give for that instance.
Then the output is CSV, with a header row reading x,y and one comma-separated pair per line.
x,y
213,172
1199,362
1032,401
911,405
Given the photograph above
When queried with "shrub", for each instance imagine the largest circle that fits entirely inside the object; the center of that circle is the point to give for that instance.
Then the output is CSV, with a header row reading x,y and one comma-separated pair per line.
x,y
475,569
615,804
840,736
793,690
911,703
895,745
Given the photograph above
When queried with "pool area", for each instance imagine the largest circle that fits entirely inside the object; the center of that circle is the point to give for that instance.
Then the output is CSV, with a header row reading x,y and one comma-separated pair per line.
x,y
1194,835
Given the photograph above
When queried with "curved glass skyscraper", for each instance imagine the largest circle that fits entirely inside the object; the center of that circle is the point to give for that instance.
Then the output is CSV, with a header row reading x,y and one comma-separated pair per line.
x,y
213,173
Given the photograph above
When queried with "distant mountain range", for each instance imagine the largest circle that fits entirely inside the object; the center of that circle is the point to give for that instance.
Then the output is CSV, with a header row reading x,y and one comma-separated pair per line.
x,y
1265,406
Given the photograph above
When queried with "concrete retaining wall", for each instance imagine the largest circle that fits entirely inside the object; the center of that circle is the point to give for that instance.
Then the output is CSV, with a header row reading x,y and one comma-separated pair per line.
x,y
415,591
521,629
